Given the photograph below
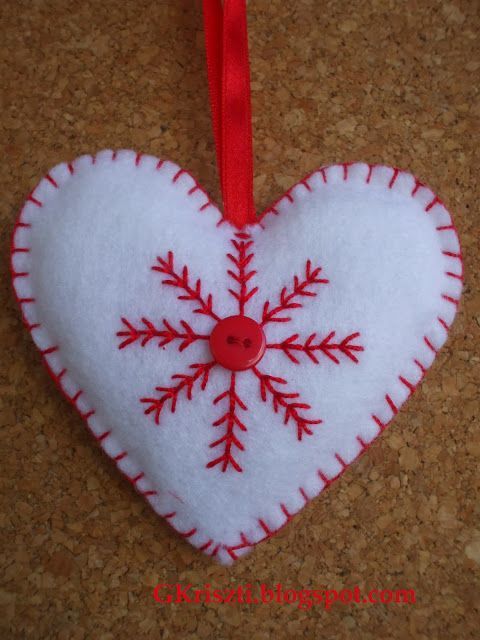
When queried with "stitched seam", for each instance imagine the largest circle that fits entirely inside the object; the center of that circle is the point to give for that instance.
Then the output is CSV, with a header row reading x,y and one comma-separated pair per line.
x,y
245,543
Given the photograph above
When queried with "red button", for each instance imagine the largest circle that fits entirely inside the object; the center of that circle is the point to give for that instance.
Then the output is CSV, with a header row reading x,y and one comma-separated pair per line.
x,y
237,343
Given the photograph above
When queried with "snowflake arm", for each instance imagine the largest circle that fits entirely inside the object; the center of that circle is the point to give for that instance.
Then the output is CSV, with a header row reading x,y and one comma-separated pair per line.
x,y
288,402
170,395
241,259
288,298
147,331
312,347
181,280
231,421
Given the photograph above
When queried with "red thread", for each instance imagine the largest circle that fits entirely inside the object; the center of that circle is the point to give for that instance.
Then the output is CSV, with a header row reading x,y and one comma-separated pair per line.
x,y
304,495
244,539
361,443
232,553
286,512
453,275
206,545
242,276
288,401
231,421
286,299
51,180
430,205
177,175
423,371
172,493
341,461
291,345
186,385
34,200
391,404
453,301
264,527
144,334
394,177
45,352
77,396
444,324
407,384
379,422
430,345
182,281
418,185
323,477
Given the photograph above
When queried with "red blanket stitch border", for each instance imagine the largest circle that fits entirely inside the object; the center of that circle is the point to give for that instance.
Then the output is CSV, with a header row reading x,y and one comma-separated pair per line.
x,y
210,546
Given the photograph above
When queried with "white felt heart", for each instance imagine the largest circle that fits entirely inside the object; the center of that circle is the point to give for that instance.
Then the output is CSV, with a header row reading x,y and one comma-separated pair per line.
x,y
123,267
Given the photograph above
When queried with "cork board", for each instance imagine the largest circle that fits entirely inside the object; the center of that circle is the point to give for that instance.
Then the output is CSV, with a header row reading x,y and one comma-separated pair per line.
x,y
378,81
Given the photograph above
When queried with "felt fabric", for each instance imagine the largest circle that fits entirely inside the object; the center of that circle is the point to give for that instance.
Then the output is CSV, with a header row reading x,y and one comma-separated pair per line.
x,y
98,260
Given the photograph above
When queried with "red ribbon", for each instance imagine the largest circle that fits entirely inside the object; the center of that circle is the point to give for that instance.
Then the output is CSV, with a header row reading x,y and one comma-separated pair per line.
x,y
229,87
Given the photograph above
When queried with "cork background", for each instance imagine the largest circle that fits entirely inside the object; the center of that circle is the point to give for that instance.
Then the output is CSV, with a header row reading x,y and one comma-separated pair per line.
x,y
374,80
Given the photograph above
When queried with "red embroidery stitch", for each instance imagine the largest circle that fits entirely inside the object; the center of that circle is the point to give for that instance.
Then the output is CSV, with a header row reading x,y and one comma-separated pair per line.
x,y
231,420
241,261
271,387
181,281
287,401
326,346
165,336
300,289
186,384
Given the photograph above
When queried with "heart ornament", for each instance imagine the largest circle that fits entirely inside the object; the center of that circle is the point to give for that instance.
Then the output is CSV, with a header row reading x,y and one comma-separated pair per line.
x,y
231,374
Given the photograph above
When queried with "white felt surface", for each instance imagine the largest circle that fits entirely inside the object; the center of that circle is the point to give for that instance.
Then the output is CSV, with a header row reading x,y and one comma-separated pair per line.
x,y
92,244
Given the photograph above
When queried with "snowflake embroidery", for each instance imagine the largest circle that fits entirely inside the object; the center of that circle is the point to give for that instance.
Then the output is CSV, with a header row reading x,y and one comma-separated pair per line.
x,y
272,389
